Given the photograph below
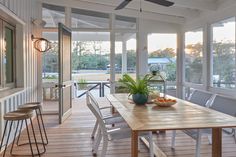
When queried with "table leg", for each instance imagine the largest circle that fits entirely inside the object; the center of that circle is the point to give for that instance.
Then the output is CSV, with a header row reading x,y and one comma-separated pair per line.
x,y
217,142
134,143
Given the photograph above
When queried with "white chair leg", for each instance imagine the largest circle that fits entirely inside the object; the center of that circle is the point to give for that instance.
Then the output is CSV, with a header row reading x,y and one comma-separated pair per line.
x,y
198,144
104,146
97,142
150,144
139,143
94,129
209,139
173,139
234,134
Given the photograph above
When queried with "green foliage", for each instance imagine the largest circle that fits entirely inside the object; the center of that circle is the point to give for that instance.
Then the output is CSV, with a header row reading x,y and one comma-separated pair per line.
x,y
93,59
82,83
52,77
193,59
171,72
224,62
167,53
120,88
138,86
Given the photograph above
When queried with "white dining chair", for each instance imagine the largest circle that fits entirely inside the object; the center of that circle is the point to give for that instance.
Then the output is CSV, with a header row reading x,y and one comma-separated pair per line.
x,y
110,119
201,98
110,134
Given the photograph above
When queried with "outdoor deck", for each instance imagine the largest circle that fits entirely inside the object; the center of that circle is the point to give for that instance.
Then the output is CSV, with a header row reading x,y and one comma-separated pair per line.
x,y
72,139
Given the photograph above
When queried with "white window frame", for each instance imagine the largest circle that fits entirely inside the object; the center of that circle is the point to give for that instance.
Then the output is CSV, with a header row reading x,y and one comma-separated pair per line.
x,y
3,84
190,84
218,90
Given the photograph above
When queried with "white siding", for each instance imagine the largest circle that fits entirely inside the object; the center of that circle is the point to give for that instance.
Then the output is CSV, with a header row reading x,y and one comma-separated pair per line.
x,y
22,9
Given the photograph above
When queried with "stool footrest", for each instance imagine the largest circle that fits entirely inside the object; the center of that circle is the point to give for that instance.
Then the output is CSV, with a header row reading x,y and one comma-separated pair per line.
x,y
22,144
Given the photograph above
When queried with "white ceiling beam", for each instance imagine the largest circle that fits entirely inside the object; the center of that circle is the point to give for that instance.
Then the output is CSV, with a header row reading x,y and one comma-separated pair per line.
x,y
196,4
110,9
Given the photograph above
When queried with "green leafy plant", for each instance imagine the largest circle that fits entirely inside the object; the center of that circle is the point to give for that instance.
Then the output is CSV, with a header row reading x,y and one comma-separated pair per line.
x,y
82,84
138,86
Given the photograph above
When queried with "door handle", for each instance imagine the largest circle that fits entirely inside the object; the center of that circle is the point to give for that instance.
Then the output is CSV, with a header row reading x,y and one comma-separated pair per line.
x,y
60,86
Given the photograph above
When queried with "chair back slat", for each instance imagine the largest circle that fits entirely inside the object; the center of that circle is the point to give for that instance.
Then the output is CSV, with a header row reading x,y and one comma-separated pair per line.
x,y
200,97
93,106
224,104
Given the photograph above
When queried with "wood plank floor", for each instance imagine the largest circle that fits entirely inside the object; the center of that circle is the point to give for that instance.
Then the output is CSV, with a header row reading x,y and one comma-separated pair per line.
x,y
72,139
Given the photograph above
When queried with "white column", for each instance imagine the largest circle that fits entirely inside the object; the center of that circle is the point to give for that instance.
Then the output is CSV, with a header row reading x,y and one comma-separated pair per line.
x,y
124,57
180,72
142,54
68,17
207,59
112,56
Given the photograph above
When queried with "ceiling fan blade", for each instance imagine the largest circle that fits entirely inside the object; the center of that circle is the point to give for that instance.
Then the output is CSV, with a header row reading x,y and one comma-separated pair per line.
x,y
123,4
162,2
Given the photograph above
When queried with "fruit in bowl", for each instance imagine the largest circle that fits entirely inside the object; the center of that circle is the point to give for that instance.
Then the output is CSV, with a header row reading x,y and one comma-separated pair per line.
x,y
163,102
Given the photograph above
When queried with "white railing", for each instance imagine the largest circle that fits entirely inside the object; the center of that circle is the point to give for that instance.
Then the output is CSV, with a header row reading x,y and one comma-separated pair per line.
x,y
9,101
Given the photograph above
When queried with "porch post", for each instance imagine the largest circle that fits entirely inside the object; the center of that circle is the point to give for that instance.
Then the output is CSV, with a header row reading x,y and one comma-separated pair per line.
x,y
124,57
142,54
112,55
180,72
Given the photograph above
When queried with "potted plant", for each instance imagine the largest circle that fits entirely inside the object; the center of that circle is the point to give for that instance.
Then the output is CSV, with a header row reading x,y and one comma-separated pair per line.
x,y
137,88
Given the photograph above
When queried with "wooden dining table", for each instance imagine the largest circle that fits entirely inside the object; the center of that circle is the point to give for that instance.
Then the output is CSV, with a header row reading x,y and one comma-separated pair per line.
x,y
182,115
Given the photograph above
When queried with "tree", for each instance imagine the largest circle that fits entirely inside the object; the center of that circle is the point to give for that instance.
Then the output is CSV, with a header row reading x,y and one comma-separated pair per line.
x,y
170,68
224,62
167,53
193,63
131,59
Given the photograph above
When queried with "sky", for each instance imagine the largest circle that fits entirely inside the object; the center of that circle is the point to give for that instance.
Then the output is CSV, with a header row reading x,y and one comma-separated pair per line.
x,y
222,31
161,41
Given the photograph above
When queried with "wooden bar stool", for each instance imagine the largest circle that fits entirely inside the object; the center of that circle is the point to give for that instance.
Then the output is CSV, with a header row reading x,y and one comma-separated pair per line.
x,y
18,116
37,108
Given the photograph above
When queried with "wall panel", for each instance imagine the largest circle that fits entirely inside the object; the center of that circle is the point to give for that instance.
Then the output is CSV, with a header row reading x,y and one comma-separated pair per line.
x,y
22,9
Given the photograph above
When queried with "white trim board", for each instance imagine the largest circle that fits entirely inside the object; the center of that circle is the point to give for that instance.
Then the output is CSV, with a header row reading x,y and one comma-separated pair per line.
x,y
7,13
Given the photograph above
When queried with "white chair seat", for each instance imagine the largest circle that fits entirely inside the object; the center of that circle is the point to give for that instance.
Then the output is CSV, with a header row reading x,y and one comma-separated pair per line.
x,y
124,132
119,133
113,120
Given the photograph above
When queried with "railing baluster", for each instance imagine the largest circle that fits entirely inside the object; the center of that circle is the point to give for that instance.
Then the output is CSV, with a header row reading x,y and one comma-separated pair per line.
x,y
100,85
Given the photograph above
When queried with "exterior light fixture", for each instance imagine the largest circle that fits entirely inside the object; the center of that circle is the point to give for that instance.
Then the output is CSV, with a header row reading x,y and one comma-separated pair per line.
x,y
41,44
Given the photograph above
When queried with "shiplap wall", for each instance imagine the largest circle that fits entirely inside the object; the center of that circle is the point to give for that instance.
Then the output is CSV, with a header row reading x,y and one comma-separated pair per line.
x,y
25,11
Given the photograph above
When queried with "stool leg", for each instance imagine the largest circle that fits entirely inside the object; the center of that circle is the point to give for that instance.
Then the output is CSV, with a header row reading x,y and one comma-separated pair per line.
x,y
18,138
40,130
36,143
14,138
41,117
29,138
5,128
7,139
